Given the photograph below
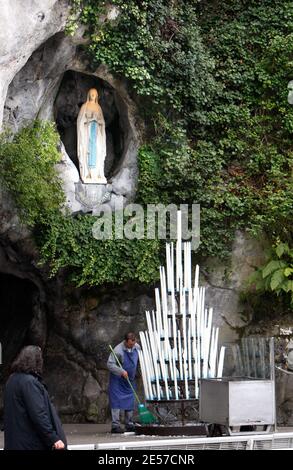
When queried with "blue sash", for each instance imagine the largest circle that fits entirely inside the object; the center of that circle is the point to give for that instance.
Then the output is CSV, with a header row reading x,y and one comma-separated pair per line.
x,y
92,154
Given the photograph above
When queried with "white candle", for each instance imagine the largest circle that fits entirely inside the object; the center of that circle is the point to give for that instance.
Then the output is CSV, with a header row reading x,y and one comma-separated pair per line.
x,y
212,357
163,365
170,363
172,265
196,277
195,370
158,311
164,310
207,342
215,353
185,267
180,356
221,362
189,350
174,325
147,358
146,363
154,354
178,251
150,358
175,375
185,375
143,374
189,267
168,261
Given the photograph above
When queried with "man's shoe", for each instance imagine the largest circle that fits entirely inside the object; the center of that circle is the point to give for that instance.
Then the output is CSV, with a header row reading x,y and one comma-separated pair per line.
x,y
116,431
130,428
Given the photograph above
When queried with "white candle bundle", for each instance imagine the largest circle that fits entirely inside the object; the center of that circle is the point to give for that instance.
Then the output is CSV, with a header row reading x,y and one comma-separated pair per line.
x,y
181,345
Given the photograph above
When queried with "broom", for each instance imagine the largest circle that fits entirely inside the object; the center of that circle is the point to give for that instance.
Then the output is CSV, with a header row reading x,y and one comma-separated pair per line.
x,y
145,416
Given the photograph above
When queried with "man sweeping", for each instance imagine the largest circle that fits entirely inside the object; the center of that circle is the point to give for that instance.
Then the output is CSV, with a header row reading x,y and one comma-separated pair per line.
x,y
122,366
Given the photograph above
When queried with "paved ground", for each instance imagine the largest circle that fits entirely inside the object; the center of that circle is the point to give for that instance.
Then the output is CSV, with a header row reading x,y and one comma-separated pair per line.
x,y
99,433
94,434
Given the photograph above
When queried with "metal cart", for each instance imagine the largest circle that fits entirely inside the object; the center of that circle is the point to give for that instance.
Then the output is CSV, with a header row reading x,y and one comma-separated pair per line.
x,y
243,404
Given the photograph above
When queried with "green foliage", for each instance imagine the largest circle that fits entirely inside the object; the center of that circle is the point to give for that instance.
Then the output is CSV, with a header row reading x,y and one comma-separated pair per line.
x,y
156,45
27,171
260,306
210,79
277,274
149,176
68,242
251,43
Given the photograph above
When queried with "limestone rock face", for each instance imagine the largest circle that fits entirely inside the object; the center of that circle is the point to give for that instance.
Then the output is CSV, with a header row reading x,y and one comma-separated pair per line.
x,y
24,26
225,282
70,177
32,92
85,324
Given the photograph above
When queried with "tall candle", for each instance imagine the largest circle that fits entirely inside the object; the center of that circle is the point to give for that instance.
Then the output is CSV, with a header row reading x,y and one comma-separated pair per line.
x,y
221,362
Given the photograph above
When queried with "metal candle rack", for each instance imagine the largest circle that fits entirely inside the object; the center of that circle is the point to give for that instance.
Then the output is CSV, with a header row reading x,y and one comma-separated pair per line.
x,y
180,345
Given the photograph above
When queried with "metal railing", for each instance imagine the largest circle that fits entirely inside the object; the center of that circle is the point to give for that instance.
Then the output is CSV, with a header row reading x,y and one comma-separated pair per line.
x,y
274,441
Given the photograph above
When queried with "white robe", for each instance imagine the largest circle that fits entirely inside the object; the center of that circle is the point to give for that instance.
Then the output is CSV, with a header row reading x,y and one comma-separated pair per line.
x,y
85,117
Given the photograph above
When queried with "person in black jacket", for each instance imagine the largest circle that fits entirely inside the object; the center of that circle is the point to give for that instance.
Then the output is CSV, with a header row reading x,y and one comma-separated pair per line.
x,y
30,419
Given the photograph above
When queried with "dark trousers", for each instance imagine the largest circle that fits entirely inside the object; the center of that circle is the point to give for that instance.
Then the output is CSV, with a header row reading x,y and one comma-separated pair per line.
x,y
116,417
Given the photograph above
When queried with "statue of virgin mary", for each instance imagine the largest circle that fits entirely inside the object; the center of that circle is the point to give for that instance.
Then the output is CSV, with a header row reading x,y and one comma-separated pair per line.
x,y
91,140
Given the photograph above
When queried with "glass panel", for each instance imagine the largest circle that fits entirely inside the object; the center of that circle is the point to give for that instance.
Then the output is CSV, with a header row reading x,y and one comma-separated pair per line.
x,y
251,357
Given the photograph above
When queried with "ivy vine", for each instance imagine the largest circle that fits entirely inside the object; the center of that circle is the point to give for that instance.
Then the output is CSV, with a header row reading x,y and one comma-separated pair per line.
x,y
210,80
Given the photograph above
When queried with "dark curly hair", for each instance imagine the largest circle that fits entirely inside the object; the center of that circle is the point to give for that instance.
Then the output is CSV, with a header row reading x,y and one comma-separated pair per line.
x,y
29,360
129,335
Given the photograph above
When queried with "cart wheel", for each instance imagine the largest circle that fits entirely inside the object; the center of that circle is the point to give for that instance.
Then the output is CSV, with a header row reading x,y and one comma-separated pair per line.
x,y
214,430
